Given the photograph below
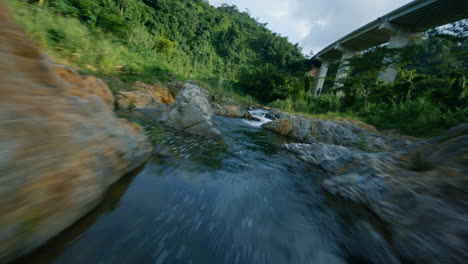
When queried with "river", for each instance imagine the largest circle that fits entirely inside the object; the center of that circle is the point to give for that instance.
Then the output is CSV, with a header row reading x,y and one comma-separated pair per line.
x,y
243,200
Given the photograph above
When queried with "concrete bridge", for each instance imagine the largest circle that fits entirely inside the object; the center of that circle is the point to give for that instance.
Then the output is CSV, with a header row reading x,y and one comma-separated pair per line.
x,y
395,28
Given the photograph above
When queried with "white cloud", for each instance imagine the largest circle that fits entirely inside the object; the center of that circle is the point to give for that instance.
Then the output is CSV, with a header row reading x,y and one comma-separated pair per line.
x,y
277,13
315,23
303,28
320,22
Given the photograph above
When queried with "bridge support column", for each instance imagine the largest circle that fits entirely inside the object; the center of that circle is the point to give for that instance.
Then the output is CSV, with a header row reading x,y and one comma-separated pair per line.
x,y
390,62
344,68
322,74
399,39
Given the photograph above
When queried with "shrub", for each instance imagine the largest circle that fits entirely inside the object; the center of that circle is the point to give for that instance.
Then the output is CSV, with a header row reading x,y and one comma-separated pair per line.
x,y
418,117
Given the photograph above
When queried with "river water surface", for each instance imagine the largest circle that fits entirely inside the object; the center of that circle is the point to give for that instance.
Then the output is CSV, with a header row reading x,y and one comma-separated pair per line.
x,y
245,200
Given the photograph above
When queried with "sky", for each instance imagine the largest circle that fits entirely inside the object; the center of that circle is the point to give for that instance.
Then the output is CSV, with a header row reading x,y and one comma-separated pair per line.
x,y
314,24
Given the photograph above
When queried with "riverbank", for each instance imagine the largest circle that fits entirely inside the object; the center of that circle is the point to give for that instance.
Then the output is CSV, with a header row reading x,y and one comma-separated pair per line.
x,y
62,145
416,187
216,189
241,199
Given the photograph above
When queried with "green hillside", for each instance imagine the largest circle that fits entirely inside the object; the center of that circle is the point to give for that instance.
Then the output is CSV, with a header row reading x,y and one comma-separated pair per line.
x,y
164,39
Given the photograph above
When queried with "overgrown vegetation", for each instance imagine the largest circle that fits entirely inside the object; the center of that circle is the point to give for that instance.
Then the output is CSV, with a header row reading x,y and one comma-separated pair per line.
x,y
429,95
237,56
159,40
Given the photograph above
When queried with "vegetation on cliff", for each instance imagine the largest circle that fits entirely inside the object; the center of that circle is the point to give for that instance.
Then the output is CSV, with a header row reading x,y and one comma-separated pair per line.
x,y
233,53
148,39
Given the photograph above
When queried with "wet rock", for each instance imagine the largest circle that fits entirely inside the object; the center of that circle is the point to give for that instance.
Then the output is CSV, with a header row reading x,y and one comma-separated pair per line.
x,y
191,112
348,133
279,114
61,146
313,130
232,111
175,87
319,153
270,116
419,194
145,96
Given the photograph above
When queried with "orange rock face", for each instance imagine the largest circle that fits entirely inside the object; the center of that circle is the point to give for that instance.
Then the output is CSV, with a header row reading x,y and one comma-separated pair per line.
x,y
146,96
83,86
61,145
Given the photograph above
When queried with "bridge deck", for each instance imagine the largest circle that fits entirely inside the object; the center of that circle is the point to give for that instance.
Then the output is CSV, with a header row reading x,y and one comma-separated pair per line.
x,y
417,16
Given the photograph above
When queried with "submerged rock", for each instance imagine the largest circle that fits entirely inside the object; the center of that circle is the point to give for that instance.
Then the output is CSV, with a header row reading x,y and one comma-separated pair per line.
x,y
191,112
145,96
419,194
61,146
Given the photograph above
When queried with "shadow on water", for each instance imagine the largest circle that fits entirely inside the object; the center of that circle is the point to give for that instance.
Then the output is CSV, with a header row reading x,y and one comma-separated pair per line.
x,y
243,200
56,245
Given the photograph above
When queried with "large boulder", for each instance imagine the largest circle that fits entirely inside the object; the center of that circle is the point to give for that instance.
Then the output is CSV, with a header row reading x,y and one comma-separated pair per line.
x,y
313,130
191,112
61,146
145,96
420,195
348,133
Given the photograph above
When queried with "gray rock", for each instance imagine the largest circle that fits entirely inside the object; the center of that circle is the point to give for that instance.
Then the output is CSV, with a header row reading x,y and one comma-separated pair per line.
x,y
348,133
318,153
175,87
420,194
191,112
313,130
271,116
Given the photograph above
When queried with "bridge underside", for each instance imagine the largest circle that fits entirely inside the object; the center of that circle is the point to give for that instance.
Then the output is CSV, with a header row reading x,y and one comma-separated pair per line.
x,y
417,16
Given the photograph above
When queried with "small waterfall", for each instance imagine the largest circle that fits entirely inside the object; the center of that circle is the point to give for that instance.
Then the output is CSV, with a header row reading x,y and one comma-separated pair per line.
x,y
260,114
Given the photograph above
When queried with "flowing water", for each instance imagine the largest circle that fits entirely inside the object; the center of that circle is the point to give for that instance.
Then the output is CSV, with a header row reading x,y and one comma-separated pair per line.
x,y
243,200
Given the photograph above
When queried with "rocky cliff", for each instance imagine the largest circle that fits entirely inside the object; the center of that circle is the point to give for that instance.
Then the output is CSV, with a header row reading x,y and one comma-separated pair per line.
x,y
417,191
61,145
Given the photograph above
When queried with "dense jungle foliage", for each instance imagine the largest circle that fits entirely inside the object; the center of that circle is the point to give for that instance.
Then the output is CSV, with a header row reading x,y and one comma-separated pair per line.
x,y
429,95
165,39
235,54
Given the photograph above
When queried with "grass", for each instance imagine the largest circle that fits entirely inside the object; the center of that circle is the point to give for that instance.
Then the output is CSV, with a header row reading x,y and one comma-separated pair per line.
x,y
335,116
70,42
225,91
419,117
